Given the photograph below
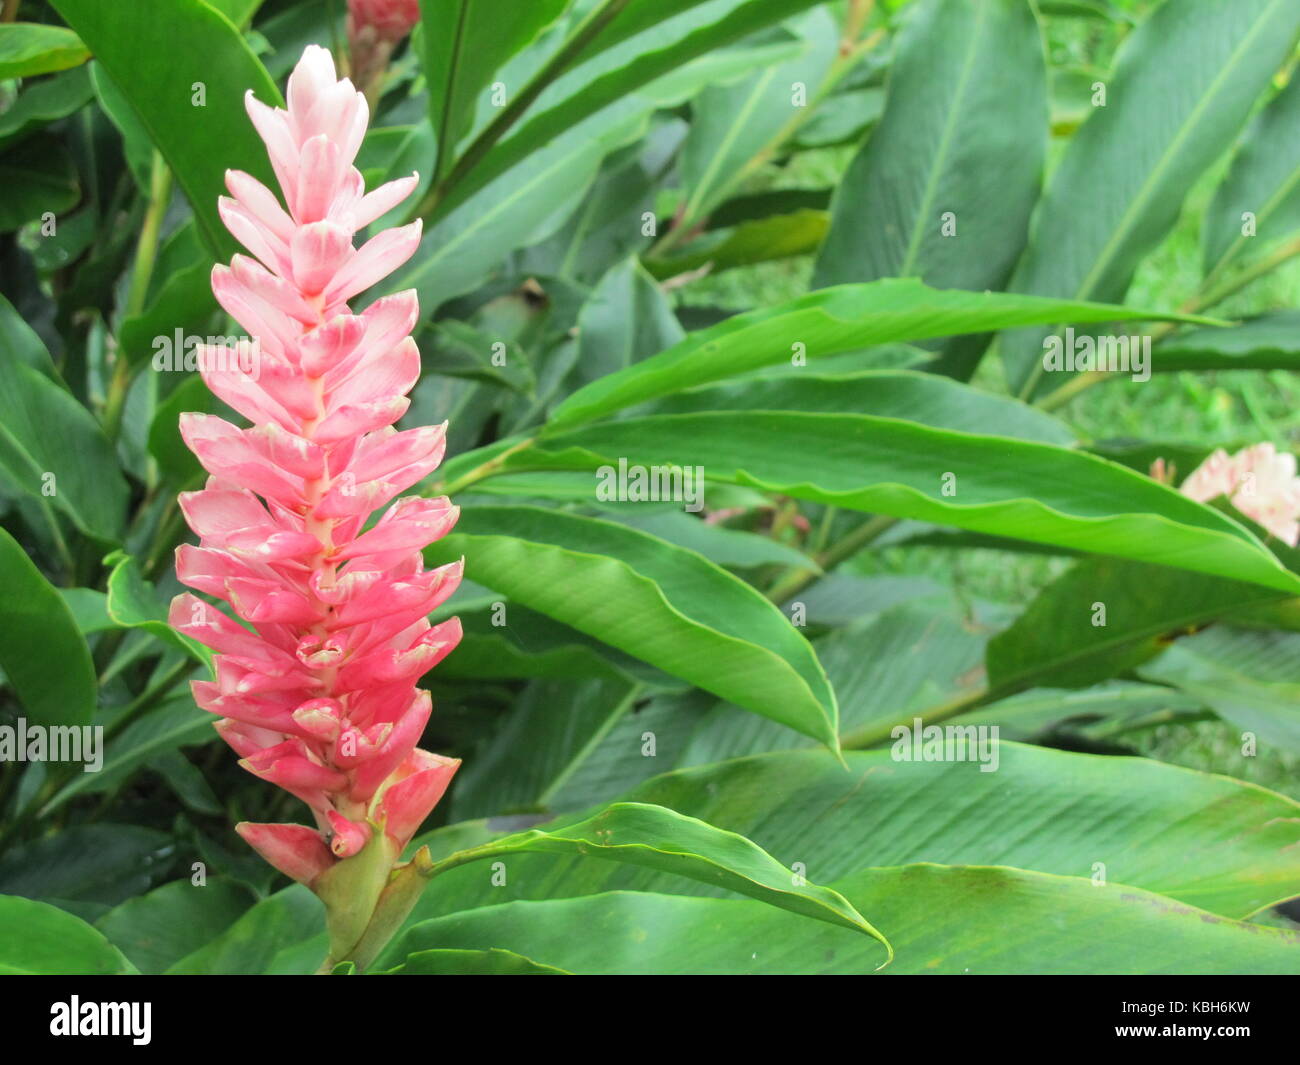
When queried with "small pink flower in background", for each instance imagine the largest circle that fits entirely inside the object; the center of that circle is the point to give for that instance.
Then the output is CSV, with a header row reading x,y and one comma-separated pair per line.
x,y
1259,481
391,20
1216,476
316,688
375,27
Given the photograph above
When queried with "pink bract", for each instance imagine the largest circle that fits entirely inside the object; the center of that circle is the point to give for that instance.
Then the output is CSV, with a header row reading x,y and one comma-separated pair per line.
x,y
316,688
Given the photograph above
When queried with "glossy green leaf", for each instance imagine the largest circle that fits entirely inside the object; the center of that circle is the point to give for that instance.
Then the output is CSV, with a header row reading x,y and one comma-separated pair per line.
x,y
732,125
211,63
1263,183
51,448
1249,678
87,867
529,644
1121,183
1105,616
1030,491
1269,342
465,43
177,723
651,836
29,48
248,946
626,46
133,604
718,543
45,102
664,605
943,187
758,241
1203,839
927,399
534,751
920,658
44,656
158,929
39,940
846,318
941,919
626,318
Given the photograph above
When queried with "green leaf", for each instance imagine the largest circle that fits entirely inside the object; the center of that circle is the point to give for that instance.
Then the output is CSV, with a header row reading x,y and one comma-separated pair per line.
x,y
534,751
963,134
732,125
492,962
40,940
846,318
921,657
1109,203
727,547
44,656
626,318
29,48
165,443
177,723
530,644
45,102
1026,490
541,190
942,919
181,303
133,604
662,604
1094,713
90,866
89,609
1202,839
759,241
465,43
249,946
163,94
1269,342
1251,679
644,41
160,928
460,350
842,118
1104,617
1264,181
650,836
51,448
39,178
927,399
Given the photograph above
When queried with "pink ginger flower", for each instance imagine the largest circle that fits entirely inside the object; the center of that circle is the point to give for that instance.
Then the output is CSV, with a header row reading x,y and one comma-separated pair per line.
x,y
316,682
1259,481
375,27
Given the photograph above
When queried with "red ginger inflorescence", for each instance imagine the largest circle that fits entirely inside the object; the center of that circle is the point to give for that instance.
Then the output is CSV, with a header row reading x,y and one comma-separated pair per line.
x,y
375,28
317,691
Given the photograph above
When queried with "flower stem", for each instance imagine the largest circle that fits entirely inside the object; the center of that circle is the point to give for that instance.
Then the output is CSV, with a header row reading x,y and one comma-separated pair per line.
x,y
146,253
